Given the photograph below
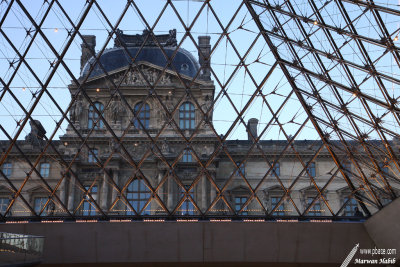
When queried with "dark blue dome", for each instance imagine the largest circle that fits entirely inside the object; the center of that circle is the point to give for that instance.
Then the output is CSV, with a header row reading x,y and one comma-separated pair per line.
x,y
116,58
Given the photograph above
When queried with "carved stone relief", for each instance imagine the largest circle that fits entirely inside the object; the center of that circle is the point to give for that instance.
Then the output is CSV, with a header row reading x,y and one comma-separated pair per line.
x,y
134,77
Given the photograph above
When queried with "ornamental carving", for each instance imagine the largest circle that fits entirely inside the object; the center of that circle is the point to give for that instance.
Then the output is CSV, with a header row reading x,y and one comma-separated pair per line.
x,y
134,77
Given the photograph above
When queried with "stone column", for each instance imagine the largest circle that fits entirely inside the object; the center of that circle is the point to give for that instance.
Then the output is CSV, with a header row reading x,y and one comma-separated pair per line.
x,y
71,196
104,192
116,181
204,192
63,188
213,193
170,193
160,191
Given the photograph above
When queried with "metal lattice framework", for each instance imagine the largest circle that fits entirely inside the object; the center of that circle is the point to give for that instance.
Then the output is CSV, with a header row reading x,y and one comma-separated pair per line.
x,y
326,70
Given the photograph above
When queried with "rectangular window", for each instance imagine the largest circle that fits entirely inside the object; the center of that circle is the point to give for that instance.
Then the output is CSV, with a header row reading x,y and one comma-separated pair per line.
x,y
280,210
311,169
347,168
93,154
385,201
88,208
45,170
7,169
241,169
138,194
315,210
187,116
187,207
4,202
384,167
93,116
350,207
276,170
187,155
239,202
39,203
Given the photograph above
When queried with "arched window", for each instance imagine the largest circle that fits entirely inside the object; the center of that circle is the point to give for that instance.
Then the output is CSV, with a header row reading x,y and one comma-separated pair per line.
x,y
144,116
138,194
94,116
186,116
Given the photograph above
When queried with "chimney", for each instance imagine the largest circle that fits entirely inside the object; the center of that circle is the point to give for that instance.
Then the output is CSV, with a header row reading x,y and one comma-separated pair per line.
x,y
204,57
252,128
396,142
87,49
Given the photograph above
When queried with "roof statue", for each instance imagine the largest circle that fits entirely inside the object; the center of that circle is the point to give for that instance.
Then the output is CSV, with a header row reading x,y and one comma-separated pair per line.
x,y
130,48
37,133
138,39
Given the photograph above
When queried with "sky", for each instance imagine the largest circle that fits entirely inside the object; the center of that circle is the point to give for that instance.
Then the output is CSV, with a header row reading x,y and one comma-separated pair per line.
x,y
242,33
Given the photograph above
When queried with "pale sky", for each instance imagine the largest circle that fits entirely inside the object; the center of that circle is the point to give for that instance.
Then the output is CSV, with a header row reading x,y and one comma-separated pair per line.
x,y
224,60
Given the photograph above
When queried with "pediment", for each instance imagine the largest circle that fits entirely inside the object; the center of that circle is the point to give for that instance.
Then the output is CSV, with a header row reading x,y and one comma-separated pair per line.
x,y
137,76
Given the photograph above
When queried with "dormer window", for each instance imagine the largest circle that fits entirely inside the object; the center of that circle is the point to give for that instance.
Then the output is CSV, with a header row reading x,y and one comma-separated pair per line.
x,y
184,67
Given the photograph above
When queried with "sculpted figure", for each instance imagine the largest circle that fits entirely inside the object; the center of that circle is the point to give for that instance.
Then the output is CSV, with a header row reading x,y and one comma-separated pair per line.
x,y
164,147
114,110
75,111
37,133
171,39
154,75
165,79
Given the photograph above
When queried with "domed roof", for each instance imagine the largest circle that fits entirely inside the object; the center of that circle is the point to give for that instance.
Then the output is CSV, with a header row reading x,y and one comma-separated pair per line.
x,y
118,57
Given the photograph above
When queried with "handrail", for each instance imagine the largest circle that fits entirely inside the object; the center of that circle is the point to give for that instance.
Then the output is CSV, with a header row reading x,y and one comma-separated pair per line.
x,y
20,248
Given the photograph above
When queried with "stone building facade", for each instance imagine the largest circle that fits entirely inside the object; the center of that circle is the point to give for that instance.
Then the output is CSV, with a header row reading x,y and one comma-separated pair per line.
x,y
158,138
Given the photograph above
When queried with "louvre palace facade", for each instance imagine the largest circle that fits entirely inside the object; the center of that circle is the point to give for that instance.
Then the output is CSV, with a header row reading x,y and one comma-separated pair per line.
x,y
155,153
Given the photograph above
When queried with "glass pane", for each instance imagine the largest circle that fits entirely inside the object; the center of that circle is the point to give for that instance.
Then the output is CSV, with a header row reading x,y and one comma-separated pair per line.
x,y
135,185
